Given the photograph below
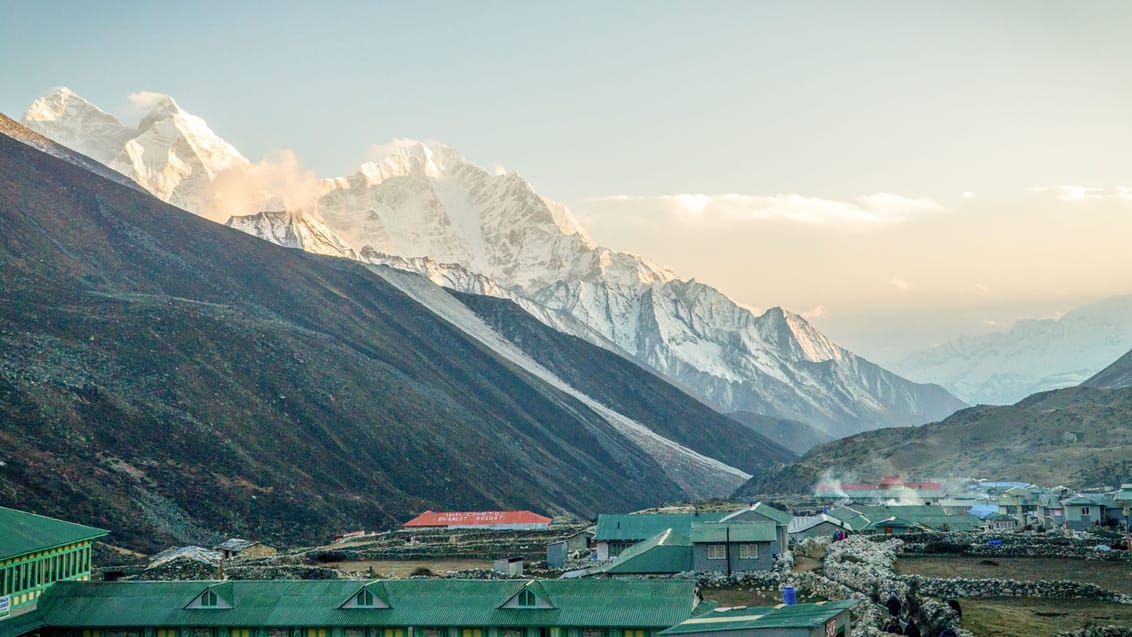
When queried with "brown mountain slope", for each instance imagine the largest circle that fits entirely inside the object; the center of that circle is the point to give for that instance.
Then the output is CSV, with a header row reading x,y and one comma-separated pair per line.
x,y
173,380
1115,376
1074,436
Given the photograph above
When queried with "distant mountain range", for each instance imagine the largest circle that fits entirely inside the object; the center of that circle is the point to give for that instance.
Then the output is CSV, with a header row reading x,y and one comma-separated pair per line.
x,y
175,380
1036,355
425,209
1076,436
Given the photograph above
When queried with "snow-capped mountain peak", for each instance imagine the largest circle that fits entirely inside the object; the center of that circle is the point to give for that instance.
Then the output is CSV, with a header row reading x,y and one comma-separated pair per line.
x,y
789,331
425,208
70,120
171,153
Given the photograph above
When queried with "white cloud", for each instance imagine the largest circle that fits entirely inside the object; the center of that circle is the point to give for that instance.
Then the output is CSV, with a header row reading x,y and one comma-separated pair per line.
x,y
818,312
899,284
1071,192
982,288
877,208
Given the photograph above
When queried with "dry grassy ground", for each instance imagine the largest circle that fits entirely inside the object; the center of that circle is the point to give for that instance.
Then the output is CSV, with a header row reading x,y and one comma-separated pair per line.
x,y
404,568
1027,617
744,596
1113,576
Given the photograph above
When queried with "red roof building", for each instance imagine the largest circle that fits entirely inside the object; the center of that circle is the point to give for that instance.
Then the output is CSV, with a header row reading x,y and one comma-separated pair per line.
x,y
501,520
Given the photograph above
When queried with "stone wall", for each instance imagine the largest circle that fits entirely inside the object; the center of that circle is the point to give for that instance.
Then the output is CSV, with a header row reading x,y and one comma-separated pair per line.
x,y
1099,631
990,587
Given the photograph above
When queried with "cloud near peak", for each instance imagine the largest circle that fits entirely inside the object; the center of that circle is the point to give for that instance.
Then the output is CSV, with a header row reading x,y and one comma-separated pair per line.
x,y
877,208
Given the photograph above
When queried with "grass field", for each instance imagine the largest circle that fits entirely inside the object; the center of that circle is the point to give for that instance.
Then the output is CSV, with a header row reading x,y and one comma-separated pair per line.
x,y
1113,576
403,568
1027,617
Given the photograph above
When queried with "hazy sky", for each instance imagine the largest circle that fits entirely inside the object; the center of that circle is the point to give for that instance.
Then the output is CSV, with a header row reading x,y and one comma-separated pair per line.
x,y
813,155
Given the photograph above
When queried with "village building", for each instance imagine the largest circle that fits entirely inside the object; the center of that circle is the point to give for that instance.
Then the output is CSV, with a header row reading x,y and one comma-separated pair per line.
x,y
243,549
887,489
616,532
493,520
821,619
1087,510
820,525
1001,522
762,512
37,551
508,566
707,547
346,608
897,518
667,552
726,547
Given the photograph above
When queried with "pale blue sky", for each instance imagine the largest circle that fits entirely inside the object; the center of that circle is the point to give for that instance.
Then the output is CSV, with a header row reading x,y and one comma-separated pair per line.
x,y
595,99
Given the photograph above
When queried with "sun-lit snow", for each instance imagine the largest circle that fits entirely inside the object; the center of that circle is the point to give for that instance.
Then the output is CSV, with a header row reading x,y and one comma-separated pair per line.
x,y
425,208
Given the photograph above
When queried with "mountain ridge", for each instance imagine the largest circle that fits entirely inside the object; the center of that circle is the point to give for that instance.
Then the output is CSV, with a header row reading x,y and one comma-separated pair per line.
x,y
422,204
158,363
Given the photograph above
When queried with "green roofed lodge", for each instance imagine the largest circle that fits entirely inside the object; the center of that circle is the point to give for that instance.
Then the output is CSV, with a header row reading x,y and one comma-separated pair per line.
x,y
37,551
356,608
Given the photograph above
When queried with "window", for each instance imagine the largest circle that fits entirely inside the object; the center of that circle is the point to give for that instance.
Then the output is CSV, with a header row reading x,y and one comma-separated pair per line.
x,y
634,632
240,632
471,632
364,598
527,599
1084,510
166,632
592,632
393,632
717,551
316,632
748,551
208,599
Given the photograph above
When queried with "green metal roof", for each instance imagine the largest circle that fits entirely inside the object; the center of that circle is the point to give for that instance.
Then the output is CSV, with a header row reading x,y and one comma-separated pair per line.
x,y
22,532
666,552
793,616
735,532
469,603
782,518
634,528
935,517
20,624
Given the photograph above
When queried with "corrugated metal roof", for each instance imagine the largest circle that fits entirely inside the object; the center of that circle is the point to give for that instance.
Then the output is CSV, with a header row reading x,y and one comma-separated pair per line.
x,y
765,510
793,616
475,518
22,532
634,528
20,624
666,552
802,524
736,532
578,602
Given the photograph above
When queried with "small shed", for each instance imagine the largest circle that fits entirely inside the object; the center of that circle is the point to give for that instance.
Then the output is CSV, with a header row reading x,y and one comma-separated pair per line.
x,y
579,541
821,619
556,553
243,549
509,566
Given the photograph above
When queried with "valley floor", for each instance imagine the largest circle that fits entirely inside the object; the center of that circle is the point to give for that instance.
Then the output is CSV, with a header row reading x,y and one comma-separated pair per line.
x,y
1112,576
1025,617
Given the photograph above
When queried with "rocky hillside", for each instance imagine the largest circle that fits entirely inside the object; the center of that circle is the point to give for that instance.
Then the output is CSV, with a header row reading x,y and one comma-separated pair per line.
x,y
1116,376
1077,436
794,435
173,380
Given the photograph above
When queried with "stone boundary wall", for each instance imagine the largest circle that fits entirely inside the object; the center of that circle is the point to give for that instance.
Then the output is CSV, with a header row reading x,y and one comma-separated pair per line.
x,y
1099,631
1012,545
948,587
